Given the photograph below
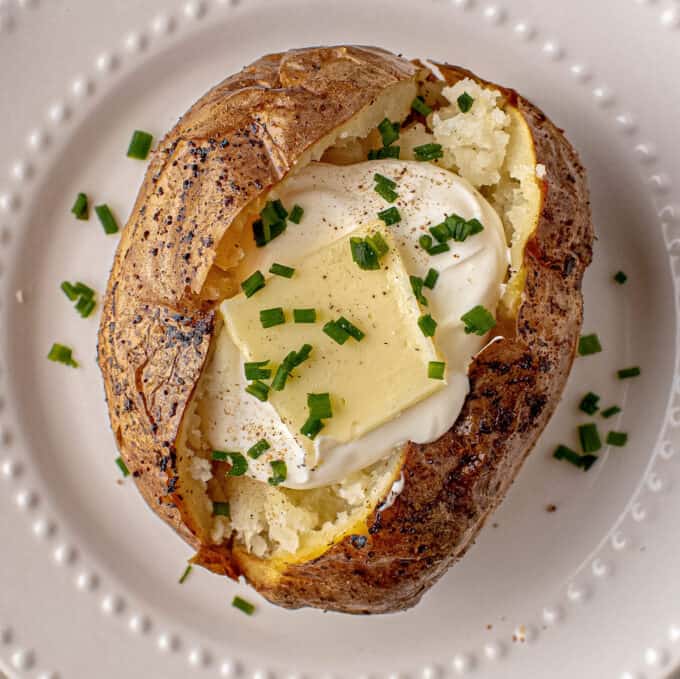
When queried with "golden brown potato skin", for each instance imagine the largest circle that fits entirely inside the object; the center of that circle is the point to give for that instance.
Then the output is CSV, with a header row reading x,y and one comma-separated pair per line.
x,y
451,485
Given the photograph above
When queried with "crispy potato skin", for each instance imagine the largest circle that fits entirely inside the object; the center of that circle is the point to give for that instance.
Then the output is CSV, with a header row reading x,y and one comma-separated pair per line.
x,y
155,332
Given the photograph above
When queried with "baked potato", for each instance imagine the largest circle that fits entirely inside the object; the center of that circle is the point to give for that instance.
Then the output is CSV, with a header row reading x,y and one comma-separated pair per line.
x,y
414,512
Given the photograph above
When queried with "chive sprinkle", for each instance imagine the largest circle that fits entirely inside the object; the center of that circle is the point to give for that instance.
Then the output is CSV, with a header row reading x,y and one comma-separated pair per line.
x,y
390,216
279,472
239,464
589,438
431,279
335,332
626,373
364,254
81,207
140,144
385,181
257,449
272,223
350,329
465,102
243,605
60,353
281,270
589,403
69,290
122,466
304,315
419,106
107,219
589,344
478,321
428,152
390,195
256,370
292,360
611,411
219,456
259,390
438,249
185,575
252,284
311,428
388,131
385,152
417,287
617,438
428,325
319,406
436,370
85,306
221,509
425,241
296,214
585,462
378,243
620,277
271,317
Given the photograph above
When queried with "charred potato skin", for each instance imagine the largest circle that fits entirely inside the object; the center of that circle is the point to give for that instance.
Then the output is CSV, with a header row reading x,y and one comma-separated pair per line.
x,y
155,331
229,149
452,485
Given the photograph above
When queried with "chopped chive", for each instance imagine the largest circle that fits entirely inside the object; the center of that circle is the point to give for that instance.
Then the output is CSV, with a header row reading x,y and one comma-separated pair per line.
x,y
70,291
478,321
259,390
388,131
296,214
185,575
628,372
390,216
465,102
438,249
239,464
271,317
589,344
252,284
256,370
282,372
319,406
81,207
425,242
589,403
417,287
256,450
585,462
431,279
140,144
85,306
83,290
385,181
620,277
611,411
59,353
243,605
221,509
311,428
468,228
279,472
428,325
122,466
281,270
304,315
589,438
428,152
338,334
378,243
292,360
350,329
385,152
390,195
436,370
272,223
363,254
419,106
440,232
302,355
107,219
617,438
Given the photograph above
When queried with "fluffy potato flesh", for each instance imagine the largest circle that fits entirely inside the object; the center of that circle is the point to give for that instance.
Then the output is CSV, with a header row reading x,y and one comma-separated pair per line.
x,y
272,528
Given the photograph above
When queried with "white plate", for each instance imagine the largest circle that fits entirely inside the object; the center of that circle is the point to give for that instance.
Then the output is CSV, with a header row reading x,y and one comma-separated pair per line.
x,y
88,576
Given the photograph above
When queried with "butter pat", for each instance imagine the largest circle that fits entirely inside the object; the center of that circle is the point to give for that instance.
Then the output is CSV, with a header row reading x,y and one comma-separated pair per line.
x,y
370,381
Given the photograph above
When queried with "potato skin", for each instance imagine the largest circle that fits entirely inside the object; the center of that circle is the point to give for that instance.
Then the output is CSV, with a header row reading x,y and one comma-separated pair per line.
x,y
155,330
